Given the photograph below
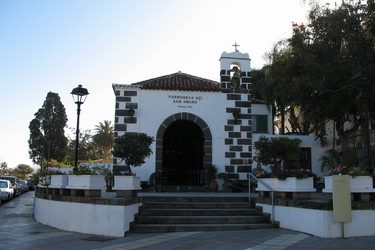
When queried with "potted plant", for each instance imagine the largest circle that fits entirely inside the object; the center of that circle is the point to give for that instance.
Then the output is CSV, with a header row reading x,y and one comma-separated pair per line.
x,y
332,164
221,180
108,176
361,181
86,178
160,181
133,148
211,172
287,175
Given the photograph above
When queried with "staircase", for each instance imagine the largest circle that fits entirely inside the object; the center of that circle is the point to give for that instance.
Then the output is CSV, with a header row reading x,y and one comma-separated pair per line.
x,y
197,213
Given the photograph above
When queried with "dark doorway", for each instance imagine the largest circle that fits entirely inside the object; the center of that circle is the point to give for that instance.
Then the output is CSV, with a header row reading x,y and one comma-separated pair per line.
x,y
183,154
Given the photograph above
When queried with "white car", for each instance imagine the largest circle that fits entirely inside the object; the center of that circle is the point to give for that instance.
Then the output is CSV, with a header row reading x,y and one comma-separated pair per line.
x,y
6,190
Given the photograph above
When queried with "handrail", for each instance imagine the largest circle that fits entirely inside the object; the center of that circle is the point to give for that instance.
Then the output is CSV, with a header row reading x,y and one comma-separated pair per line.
x,y
250,175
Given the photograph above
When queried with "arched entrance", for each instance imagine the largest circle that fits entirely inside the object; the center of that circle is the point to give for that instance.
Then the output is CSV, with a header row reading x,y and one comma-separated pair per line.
x,y
183,150
183,154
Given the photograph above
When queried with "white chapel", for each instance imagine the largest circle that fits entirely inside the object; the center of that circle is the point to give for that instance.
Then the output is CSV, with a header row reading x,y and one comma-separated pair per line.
x,y
195,122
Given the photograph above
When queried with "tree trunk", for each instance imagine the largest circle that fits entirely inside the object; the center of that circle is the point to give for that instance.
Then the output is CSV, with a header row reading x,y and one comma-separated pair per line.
x,y
282,129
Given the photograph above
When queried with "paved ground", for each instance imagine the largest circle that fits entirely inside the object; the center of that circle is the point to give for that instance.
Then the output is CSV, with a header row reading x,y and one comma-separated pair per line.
x,y
18,230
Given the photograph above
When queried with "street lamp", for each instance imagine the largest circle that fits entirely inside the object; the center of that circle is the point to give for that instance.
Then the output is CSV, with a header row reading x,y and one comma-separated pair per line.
x,y
79,96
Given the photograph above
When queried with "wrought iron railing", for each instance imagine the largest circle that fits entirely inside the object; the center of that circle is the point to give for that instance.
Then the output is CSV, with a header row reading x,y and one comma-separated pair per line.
x,y
251,176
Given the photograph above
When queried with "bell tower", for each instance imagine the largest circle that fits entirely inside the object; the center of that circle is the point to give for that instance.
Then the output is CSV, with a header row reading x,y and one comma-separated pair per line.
x,y
235,70
235,84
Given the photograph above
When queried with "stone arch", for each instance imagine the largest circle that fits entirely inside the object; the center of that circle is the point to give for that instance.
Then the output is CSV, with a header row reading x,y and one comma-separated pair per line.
x,y
207,147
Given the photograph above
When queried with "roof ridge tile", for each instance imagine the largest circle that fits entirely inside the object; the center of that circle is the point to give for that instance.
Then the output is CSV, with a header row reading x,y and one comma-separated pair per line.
x,y
179,81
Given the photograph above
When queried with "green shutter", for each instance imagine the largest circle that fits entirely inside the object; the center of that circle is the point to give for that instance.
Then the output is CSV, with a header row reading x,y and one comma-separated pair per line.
x,y
261,125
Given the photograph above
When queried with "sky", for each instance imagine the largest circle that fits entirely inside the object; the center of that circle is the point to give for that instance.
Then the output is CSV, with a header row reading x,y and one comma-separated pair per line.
x,y
56,45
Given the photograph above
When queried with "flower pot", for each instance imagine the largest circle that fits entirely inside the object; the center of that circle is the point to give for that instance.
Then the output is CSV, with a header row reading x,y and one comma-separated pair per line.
x,y
127,182
212,186
86,182
59,181
220,184
290,184
358,184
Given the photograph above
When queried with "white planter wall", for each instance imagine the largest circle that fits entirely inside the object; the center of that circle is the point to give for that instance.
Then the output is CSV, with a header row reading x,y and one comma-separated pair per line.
x,y
59,181
358,184
290,184
320,222
127,183
86,182
108,220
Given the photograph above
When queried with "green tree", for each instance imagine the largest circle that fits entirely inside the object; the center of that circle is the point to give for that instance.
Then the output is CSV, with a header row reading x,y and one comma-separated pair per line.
x,y
22,171
310,78
92,147
47,139
281,88
283,154
4,170
87,150
341,44
35,177
103,138
133,148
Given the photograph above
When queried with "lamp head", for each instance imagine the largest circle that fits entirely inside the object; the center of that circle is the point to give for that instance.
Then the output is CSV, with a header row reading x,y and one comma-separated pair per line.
x,y
79,94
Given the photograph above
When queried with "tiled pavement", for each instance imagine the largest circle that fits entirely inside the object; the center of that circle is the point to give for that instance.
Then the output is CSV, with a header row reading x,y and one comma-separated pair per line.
x,y
18,230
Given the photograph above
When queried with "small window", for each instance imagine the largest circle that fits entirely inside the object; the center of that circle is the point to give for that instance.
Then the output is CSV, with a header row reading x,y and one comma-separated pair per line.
x,y
305,158
260,124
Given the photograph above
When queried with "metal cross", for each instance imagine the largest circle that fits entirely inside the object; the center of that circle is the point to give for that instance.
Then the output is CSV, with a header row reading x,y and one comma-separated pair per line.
x,y
235,46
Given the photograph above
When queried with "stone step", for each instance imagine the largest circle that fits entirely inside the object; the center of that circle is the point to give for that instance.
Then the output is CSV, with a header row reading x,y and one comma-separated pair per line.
x,y
199,211
146,199
160,228
174,188
197,205
201,219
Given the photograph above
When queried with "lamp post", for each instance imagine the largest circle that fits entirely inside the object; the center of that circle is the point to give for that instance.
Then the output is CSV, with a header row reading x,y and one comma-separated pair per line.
x,y
79,96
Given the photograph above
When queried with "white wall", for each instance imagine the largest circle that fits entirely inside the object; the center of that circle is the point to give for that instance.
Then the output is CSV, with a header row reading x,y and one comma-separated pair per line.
x,y
210,108
108,220
320,222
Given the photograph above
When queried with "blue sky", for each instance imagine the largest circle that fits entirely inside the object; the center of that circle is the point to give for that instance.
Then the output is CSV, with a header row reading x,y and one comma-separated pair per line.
x,y
55,45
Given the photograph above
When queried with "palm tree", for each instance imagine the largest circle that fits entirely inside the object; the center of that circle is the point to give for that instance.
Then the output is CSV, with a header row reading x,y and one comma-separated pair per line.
x,y
104,137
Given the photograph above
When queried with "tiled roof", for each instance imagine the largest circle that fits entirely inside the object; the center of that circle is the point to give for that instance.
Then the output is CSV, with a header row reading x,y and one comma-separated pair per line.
x,y
179,81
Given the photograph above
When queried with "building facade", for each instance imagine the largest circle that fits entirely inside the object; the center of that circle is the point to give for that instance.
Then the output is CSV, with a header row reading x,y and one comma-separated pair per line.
x,y
195,122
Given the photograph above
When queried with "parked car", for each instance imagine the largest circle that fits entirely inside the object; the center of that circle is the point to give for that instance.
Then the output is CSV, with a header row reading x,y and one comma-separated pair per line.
x,y
31,185
15,185
6,190
23,186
